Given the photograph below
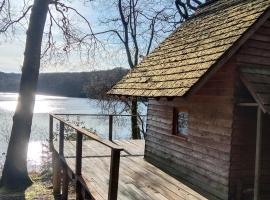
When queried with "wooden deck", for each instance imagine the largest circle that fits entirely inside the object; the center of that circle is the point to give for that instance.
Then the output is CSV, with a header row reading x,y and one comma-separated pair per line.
x,y
138,179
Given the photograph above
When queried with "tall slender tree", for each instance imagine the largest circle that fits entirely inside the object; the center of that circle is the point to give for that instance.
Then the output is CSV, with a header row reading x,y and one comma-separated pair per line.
x,y
15,175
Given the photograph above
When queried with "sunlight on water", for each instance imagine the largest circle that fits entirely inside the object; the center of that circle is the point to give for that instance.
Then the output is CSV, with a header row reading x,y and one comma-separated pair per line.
x,y
43,104
34,155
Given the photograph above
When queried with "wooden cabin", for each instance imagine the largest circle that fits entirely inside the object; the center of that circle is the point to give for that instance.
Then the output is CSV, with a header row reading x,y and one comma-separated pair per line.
x,y
208,88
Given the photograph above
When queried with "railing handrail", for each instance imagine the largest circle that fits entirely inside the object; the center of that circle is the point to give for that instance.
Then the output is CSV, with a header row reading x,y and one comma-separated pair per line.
x,y
88,133
102,115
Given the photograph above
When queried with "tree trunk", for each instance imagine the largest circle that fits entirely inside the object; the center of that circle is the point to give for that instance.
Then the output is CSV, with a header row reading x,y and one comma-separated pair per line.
x,y
15,174
134,121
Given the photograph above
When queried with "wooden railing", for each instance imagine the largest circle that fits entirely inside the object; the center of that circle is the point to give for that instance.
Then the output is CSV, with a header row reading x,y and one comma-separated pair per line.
x,y
111,119
114,165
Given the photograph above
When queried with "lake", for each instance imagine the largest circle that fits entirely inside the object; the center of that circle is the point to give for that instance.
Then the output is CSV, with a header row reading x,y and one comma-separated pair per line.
x,y
54,104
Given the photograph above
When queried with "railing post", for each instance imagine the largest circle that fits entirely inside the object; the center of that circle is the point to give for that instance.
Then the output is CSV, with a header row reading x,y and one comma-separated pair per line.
x,y
258,157
78,169
51,132
110,127
65,184
114,174
61,139
56,175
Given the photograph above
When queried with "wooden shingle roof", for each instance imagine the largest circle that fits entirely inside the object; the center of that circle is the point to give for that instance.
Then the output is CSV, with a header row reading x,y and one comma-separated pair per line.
x,y
195,49
257,81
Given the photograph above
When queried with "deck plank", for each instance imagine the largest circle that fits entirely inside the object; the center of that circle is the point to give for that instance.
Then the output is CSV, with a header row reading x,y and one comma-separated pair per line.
x,y
138,179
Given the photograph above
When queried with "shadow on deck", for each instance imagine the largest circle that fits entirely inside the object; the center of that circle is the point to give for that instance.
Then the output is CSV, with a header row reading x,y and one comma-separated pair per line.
x,y
138,179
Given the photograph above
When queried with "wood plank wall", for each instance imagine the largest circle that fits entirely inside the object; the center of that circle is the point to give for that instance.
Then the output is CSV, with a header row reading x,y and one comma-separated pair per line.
x,y
255,53
203,159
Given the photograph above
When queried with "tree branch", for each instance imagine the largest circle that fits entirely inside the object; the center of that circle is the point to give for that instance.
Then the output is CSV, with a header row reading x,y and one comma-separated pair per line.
x,y
11,22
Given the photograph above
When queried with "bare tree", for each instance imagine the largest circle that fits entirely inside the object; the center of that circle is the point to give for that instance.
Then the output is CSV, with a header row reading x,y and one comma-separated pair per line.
x,y
15,175
137,26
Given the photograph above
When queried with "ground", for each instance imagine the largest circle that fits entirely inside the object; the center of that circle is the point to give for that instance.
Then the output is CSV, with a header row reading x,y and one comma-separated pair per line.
x,y
40,190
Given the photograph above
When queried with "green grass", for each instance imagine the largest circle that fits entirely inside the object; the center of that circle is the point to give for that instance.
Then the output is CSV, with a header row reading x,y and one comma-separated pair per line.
x,y
41,188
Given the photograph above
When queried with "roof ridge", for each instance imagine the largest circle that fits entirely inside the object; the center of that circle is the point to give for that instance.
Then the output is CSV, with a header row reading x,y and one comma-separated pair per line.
x,y
206,9
207,3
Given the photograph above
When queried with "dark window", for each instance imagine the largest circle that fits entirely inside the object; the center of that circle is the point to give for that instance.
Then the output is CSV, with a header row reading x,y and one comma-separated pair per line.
x,y
180,122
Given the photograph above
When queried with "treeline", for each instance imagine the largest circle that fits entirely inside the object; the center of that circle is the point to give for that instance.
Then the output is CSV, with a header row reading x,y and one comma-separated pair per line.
x,y
81,84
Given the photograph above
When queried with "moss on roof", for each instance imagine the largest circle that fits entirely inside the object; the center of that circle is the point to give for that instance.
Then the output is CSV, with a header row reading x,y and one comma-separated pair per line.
x,y
187,54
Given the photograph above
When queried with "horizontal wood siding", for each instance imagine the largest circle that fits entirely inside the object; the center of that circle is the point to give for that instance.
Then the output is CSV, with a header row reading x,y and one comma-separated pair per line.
x,y
203,158
256,51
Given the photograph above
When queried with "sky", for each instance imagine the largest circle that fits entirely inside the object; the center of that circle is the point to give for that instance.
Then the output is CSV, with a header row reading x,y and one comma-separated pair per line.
x,y
12,50
11,55
12,47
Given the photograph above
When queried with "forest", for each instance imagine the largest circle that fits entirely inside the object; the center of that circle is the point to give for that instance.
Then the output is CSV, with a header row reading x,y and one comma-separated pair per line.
x,y
69,84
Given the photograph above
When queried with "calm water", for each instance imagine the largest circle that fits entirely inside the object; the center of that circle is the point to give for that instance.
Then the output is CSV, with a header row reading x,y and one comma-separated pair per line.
x,y
54,104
